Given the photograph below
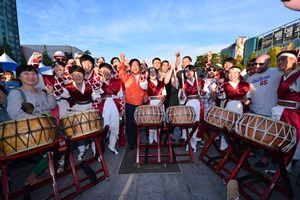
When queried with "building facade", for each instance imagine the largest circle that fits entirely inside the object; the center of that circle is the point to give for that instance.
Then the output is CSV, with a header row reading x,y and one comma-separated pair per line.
x,y
29,49
9,27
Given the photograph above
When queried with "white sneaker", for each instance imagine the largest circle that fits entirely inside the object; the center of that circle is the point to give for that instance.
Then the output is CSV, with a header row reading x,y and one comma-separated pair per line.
x,y
80,156
113,150
224,144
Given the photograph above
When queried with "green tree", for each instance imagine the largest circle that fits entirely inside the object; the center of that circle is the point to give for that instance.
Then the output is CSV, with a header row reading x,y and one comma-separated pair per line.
x,y
5,47
251,56
87,52
201,60
69,55
47,61
23,59
273,53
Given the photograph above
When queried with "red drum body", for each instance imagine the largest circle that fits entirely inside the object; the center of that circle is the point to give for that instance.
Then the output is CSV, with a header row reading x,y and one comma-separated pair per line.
x,y
266,131
181,115
221,117
148,114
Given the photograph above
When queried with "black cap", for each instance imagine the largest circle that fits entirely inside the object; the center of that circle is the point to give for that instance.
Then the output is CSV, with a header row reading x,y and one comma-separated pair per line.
x,y
106,65
214,66
190,67
87,57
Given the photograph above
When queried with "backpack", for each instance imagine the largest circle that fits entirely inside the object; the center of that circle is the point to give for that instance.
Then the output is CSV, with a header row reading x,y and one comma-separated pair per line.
x,y
4,116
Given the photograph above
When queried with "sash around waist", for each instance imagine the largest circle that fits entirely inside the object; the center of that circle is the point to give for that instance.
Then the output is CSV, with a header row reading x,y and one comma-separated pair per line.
x,y
289,104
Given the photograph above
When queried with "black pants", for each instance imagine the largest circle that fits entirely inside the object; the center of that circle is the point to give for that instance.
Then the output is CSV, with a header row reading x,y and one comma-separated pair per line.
x,y
131,136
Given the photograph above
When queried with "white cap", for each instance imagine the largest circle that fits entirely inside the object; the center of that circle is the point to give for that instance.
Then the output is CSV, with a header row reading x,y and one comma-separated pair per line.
x,y
59,54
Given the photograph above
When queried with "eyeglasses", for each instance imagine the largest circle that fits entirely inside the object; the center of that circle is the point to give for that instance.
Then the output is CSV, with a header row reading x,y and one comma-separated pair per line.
x,y
251,65
211,69
58,59
260,64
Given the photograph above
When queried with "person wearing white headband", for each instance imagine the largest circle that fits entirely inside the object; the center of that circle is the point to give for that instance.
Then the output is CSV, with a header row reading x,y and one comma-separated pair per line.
x,y
234,92
288,105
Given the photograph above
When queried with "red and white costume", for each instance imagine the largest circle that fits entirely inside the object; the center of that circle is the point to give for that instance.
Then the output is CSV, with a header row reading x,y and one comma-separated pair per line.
x,y
112,95
234,93
61,94
192,98
83,100
156,91
288,106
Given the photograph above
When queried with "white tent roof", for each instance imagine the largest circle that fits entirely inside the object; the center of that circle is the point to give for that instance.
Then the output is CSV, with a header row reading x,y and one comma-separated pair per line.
x,y
5,58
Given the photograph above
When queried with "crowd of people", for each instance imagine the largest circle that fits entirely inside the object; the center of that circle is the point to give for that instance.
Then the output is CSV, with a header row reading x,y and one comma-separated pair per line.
x,y
117,88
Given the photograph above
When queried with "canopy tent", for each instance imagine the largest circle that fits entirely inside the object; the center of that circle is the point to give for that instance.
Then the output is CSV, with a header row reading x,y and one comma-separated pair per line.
x,y
7,63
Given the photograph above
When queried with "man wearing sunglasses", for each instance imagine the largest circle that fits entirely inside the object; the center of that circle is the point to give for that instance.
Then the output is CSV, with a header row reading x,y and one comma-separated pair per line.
x,y
250,69
263,91
59,56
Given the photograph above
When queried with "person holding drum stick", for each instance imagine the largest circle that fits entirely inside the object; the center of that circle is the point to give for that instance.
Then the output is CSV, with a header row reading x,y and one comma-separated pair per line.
x,y
189,95
39,101
288,105
234,92
135,94
85,97
112,94
156,96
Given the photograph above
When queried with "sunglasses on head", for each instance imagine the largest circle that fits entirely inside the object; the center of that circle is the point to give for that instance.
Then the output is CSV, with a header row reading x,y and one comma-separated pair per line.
x,y
260,64
211,69
60,59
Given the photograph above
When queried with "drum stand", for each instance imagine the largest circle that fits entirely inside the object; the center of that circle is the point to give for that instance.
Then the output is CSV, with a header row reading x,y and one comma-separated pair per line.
x,y
255,177
231,153
142,150
90,174
26,190
182,145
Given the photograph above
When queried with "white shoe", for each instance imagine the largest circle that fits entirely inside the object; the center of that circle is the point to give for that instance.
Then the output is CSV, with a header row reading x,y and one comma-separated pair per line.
x,y
224,144
80,156
113,150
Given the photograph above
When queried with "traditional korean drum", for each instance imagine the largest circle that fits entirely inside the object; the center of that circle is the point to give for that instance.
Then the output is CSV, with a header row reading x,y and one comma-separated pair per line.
x,y
148,114
221,117
266,131
25,134
181,115
81,123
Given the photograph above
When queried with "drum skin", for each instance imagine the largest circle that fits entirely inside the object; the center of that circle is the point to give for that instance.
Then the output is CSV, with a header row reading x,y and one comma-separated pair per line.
x,y
148,114
25,134
181,115
266,131
221,117
81,123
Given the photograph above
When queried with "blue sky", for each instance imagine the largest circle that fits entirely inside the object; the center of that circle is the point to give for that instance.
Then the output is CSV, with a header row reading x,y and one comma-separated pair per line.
x,y
147,29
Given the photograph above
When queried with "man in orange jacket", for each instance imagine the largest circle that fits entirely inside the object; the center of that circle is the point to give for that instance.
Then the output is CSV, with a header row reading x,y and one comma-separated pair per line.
x,y
135,94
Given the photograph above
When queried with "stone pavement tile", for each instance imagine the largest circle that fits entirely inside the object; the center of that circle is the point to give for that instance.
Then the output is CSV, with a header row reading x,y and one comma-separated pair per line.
x,y
151,196
149,183
211,195
174,183
122,197
124,184
178,195
198,183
